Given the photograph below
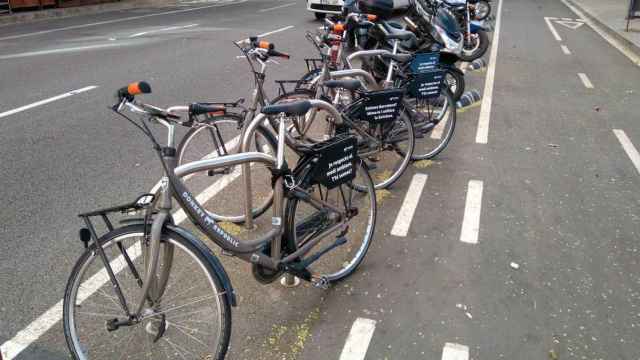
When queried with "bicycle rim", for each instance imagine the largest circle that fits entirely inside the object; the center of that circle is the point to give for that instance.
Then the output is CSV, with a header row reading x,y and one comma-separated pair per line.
x,y
434,122
192,311
305,220
387,164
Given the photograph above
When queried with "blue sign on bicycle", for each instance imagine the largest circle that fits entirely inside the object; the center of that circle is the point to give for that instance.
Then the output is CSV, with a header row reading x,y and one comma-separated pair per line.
x,y
424,62
427,85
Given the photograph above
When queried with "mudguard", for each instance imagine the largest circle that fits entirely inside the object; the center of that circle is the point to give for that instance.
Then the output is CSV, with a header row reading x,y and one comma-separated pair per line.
x,y
213,261
476,25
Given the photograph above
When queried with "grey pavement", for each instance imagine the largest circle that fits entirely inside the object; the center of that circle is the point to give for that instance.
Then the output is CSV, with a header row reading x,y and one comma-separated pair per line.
x,y
554,274
611,15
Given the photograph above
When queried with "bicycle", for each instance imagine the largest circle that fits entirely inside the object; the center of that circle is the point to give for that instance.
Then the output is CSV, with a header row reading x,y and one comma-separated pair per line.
x,y
152,289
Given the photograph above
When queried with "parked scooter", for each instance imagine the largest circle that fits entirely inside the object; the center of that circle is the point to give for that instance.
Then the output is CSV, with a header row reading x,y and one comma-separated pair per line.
x,y
436,30
476,40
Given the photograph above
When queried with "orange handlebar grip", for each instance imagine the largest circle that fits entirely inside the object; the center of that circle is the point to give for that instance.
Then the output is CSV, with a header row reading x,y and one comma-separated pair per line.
x,y
134,89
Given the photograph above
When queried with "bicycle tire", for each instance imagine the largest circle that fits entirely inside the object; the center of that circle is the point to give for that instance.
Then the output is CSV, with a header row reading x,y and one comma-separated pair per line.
x,y
197,251
440,136
291,227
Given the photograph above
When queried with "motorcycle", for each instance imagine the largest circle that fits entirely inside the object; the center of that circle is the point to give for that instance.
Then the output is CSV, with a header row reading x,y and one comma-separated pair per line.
x,y
436,30
476,40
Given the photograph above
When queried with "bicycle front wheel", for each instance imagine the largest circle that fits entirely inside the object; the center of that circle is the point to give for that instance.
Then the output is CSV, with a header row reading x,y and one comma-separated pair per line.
x,y
190,319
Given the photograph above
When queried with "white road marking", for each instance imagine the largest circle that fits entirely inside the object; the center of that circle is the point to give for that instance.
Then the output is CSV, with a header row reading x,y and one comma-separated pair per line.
x,y
59,51
161,30
409,205
614,42
452,351
472,210
628,147
585,80
276,7
117,20
552,28
573,25
482,135
437,131
46,101
565,50
269,33
355,348
42,324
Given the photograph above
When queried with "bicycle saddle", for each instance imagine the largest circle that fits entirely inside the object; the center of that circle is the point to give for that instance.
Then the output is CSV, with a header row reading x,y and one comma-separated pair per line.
x,y
295,108
349,84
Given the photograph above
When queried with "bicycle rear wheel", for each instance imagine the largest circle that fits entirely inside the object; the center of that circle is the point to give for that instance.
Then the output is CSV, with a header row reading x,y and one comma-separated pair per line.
x,y
305,220
192,319
434,121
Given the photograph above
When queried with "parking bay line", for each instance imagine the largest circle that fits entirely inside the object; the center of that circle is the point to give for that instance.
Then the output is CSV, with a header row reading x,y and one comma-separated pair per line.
x,y
437,131
49,318
472,210
565,50
46,101
409,205
585,80
355,348
628,147
452,351
482,135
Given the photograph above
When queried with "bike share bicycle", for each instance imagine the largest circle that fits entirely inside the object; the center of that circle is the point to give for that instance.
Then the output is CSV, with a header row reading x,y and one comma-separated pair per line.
x,y
151,289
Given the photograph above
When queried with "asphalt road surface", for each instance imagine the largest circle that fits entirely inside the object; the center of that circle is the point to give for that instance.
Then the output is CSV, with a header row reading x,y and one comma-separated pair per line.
x,y
522,242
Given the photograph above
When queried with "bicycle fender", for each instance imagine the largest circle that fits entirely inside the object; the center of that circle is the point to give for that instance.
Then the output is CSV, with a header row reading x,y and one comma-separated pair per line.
x,y
215,263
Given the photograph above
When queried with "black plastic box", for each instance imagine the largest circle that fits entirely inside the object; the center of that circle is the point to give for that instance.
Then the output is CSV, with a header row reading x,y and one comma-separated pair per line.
x,y
381,8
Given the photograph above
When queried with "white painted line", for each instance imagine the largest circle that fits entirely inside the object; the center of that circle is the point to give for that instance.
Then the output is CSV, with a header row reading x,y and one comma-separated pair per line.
x,y
46,101
452,351
59,51
482,135
355,348
269,33
613,42
161,30
409,205
472,209
437,131
585,80
46,321
628,147
552,29
567,19
276,31
565,50
117,20
276,7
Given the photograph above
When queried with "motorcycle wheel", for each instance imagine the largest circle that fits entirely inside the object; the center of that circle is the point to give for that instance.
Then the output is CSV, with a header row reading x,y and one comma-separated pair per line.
x,y
475,50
